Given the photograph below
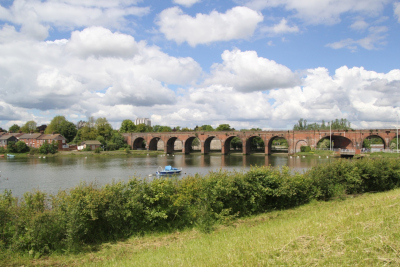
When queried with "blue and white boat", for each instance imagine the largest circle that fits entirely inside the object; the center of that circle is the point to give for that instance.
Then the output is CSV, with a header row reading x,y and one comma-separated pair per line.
x,y
168,170
10,156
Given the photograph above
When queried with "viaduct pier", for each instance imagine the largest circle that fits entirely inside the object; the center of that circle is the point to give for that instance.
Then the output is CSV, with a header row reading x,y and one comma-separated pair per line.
x,y
342,139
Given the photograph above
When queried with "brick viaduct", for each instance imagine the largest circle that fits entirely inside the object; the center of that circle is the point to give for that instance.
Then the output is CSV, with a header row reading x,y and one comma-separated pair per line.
x,y
351,139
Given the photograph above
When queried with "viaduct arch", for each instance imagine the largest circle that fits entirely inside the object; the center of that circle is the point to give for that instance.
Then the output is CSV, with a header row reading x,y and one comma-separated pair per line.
x,y
351,139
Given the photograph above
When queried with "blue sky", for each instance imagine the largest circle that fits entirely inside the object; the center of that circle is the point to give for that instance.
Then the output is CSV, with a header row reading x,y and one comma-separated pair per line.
x,y
248,63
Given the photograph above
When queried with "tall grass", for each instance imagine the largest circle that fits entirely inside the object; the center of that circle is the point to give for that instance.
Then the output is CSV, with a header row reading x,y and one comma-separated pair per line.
x,y
39,224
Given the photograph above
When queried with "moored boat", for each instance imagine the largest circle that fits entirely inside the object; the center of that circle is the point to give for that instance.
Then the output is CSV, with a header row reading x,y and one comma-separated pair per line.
x,y
168,170
10,156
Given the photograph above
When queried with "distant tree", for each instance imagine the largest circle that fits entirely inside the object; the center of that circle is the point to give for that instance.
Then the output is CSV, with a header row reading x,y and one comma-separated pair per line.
x,y
223,127
41,128
17,147
14,128
29,127
127,126
47,148
207,128
141,128
165,129
55,124
236,143
80,124
118,140
103,128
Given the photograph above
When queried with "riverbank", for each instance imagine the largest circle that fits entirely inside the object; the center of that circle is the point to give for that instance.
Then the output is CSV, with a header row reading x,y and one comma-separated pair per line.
x,y
361,230
74,220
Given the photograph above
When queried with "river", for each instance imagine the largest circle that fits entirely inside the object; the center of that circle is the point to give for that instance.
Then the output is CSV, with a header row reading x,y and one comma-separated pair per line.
x,y
54,173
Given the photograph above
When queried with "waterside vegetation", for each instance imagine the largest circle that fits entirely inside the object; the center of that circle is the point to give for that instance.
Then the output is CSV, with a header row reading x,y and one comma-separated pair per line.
x,y
88,215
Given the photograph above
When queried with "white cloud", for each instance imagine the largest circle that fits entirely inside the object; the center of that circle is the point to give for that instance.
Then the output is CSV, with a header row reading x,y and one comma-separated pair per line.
x,y
375,39
359,25
281,28
246,72
101,42
322,12
397,10
186,3
35,16
236,23
73,74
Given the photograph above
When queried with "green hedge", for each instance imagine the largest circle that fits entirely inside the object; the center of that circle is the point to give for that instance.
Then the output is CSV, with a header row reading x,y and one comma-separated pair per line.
x,y
87,214
305,149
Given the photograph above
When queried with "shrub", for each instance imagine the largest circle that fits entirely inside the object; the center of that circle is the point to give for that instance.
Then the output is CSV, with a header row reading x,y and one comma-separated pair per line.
x,y
47,148
97,150
305,148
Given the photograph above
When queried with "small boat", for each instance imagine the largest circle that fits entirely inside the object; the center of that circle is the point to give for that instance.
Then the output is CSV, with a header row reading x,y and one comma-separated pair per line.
x,y
10,156
2,156
168,170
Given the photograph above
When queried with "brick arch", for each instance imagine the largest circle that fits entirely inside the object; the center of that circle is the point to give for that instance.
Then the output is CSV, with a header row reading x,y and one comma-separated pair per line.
x,y
248,143
339,142
138,143
299,144
275,137
206,145
378,136
170,144
153,143
226,146
188,144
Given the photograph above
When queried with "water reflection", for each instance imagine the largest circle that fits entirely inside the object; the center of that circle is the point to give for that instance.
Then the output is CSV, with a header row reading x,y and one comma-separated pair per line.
x,y
52,174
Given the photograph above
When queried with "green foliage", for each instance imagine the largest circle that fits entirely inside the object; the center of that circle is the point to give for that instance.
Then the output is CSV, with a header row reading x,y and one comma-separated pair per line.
x,y
17,147
2,150
59,124
127,126
47,148
236,143
29,127
224,127
97,150
337,124
305,148
14,128
89,214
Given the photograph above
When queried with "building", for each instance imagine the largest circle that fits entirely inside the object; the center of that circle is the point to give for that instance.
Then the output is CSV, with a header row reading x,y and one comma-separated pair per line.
x,y
30,139
5,139
50,138
93,144
145,121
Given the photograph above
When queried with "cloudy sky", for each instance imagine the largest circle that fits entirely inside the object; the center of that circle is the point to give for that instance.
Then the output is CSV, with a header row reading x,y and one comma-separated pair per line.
x,y
248,63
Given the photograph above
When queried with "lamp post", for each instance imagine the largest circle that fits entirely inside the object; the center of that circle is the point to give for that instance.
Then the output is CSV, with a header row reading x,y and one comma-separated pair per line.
x,y
330,136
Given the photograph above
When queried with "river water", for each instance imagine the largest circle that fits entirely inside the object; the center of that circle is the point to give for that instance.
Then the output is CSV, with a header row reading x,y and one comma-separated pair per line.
x,y
55,173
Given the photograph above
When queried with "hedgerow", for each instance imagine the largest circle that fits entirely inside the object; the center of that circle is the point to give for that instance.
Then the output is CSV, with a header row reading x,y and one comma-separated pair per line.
x,y
90,214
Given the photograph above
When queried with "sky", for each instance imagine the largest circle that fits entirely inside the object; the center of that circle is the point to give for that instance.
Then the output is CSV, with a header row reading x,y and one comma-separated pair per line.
x,y
247,63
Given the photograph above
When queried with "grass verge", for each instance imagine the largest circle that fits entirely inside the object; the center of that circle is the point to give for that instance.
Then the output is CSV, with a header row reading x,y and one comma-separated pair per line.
x,y
359,231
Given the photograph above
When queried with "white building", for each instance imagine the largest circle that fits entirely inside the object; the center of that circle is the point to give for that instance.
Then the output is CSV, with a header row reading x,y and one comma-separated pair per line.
x,y
143,121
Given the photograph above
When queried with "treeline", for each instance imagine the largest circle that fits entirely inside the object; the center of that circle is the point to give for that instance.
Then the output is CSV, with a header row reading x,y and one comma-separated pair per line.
x,y
88,214
338,124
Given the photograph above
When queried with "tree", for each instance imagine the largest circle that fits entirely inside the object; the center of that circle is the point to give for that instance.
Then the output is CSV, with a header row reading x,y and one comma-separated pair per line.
x,y
55,124
29,127
80,124
118,140
223,127
14,128
47,148
127,126
206,127
236,143
141,128
103,128
17,147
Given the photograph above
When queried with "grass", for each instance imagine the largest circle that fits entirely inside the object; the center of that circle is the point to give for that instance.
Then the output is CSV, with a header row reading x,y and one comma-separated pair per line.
x,y
362,230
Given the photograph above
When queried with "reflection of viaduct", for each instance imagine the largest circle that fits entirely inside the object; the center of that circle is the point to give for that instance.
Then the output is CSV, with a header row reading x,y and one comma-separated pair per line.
x,y
351,139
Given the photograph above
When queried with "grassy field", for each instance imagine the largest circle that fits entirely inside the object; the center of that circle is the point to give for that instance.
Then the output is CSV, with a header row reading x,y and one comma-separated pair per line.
x,y
361,230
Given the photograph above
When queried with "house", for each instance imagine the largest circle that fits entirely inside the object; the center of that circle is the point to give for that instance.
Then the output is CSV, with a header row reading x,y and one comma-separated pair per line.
x,y
93,144
50,138
5,139
30,139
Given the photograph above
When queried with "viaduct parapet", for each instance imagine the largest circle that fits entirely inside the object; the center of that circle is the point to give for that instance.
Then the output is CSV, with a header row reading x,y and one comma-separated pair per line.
x,y
349,139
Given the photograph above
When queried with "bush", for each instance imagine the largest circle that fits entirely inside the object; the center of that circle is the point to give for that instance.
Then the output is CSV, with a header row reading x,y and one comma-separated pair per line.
x,y
89,214
47,148
2,150
97,150
305,148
